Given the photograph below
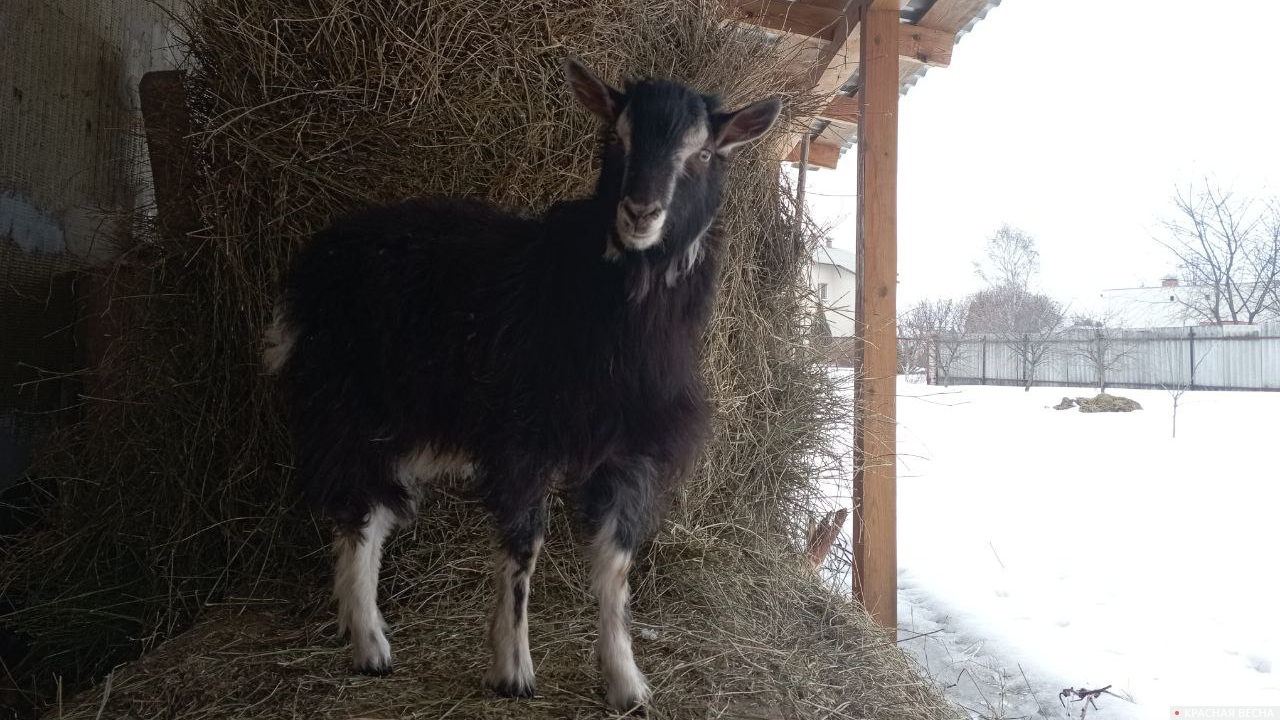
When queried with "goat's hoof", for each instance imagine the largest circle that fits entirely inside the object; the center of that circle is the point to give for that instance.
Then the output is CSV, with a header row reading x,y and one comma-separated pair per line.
x,y
632,707
371,656
374,668
513,688
627,693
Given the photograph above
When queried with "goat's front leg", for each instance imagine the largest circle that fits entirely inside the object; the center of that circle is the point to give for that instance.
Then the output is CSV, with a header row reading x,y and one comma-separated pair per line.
x,y
621,507
520,534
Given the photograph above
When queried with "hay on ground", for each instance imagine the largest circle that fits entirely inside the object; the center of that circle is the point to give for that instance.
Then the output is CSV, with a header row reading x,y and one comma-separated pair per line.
x,y
173,502
1106,402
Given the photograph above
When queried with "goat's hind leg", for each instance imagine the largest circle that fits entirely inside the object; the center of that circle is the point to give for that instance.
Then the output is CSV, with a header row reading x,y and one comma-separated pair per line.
x,y
521,529
355,586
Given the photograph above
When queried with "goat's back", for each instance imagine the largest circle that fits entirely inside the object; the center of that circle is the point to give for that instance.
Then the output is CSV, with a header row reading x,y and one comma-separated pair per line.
x,y
456,325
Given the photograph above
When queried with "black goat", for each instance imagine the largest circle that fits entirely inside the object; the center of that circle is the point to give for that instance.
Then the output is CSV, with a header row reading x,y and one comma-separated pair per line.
x,y
443,338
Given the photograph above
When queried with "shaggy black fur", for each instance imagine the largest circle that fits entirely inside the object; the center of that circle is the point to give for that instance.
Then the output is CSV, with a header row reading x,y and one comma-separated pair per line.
x,y
543,349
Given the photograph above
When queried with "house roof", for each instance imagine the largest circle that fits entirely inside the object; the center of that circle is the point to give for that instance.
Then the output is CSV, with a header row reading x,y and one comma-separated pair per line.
x,y
844,259
823,38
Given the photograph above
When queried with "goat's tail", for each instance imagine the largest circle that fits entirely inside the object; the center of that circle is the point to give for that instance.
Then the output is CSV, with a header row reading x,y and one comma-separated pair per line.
x,y
278,340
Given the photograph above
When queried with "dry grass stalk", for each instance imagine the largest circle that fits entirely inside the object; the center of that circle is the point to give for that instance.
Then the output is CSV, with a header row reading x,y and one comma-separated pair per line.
x,y
175,503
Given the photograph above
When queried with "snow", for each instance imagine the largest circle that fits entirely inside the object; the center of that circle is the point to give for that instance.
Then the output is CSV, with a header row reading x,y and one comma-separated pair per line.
x,y
1043,549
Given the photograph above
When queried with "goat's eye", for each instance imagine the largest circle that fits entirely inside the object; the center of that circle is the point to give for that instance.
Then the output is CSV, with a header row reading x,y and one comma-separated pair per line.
x,y
612,137
705,155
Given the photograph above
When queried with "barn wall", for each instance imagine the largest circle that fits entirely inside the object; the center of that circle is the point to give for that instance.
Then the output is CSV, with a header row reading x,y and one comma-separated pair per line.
x,y
71,161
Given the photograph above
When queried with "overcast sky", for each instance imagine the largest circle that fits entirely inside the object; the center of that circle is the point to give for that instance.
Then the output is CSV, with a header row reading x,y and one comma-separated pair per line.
x,y
1075,121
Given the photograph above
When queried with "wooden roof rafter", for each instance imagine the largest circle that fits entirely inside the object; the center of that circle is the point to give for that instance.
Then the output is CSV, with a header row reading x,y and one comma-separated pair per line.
x,y
827,31
825,20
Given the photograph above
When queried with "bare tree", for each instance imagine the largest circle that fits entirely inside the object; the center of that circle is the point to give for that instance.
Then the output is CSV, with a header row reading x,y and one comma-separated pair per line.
x,y
1027,322
1271,249
947,347
1106,352
1082,320
1033,351
1012,310
1228,249
1177,390
928,331
1012,259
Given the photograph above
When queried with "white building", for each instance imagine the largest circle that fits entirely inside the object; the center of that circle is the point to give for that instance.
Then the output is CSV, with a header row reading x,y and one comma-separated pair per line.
x,y
831,275
1167,304
1163,305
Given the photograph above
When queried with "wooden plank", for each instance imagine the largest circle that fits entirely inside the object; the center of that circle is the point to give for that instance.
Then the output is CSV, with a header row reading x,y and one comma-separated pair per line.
x,y
927,45
875,311
952,15
797,18
821,154
835,64
172,152
801,20
842,134
801,53
907,69
843,108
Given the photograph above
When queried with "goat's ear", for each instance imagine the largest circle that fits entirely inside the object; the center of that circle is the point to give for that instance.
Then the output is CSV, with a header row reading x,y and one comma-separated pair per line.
x,y
595,94
745,125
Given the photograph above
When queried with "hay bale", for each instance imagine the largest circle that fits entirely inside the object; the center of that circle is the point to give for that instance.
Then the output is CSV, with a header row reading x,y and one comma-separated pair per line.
x,y
1105,402
177,494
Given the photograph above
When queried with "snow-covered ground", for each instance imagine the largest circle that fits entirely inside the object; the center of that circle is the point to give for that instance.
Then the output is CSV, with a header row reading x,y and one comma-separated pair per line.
x,y
1041,549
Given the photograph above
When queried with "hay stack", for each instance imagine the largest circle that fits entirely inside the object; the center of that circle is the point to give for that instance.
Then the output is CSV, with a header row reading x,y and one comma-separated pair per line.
x,y
1105,402
177,496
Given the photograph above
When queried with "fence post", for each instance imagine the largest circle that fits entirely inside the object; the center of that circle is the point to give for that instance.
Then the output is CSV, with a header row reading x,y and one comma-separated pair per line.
x,y
984,359
1191,337
937,359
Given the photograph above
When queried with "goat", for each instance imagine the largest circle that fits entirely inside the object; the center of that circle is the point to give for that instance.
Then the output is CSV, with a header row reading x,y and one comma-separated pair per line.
x,y
445,339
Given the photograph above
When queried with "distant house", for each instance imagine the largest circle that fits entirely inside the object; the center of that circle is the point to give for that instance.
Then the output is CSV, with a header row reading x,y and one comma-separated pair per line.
x,y
1165,305
831,275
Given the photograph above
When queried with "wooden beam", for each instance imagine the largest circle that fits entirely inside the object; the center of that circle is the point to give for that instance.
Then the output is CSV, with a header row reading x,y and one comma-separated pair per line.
x,y
952,15
797,18
843,108
837,61
167,125
824,155
927,45
805,20
875,312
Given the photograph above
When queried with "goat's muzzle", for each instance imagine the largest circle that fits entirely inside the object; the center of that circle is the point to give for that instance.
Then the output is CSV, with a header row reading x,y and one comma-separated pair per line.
x,y
640,224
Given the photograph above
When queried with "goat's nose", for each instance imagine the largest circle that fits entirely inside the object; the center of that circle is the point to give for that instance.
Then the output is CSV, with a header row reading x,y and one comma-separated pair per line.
x,y
641,214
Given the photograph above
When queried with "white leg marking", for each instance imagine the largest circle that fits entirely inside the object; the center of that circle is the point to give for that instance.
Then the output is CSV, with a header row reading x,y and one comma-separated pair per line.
x,y
356,588
511,669
626,686
278,340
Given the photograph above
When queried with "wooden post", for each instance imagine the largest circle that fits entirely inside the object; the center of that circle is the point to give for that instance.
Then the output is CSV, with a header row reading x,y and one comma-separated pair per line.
x,y
173,156
173,173
800,178
984,359
875,441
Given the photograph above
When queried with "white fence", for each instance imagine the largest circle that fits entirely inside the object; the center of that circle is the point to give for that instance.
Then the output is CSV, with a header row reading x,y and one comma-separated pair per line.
x,y
1239,357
